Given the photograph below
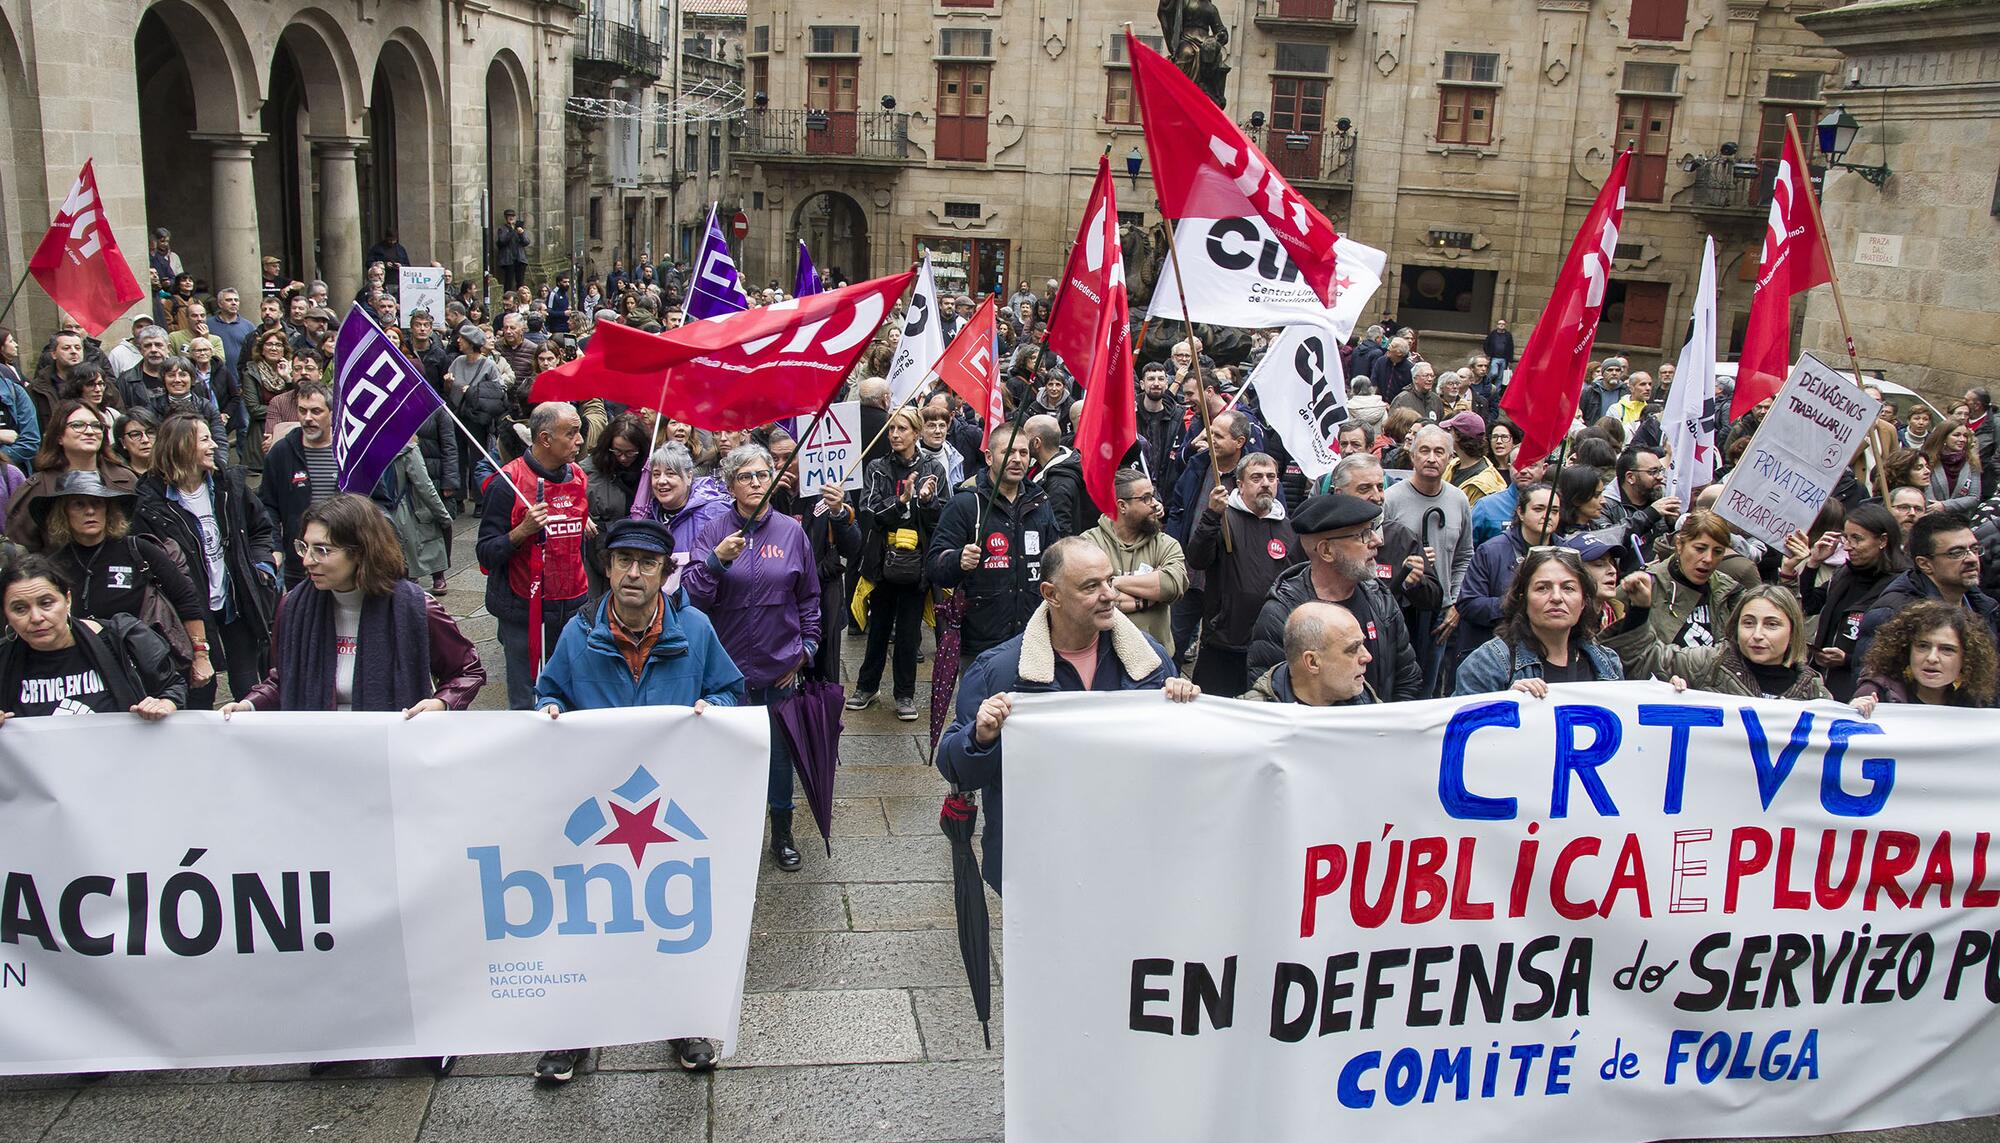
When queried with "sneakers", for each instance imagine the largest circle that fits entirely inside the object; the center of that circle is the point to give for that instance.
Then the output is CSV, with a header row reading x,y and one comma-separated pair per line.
x,y
906,709
861,700
695,1055
560,1065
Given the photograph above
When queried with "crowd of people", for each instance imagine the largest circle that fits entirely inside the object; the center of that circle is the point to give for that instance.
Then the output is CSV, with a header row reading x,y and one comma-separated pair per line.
x,y
174,526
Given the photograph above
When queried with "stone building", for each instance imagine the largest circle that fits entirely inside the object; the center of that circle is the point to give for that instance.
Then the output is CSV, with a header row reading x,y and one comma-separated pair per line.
x,y
1464,137
1918,257
284,128
648,126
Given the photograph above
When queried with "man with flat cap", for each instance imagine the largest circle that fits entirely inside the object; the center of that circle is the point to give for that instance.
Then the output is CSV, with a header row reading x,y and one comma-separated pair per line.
x,y
1326,661
1340,535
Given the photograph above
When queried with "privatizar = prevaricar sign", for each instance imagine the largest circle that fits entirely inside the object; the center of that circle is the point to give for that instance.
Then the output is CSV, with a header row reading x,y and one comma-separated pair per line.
x,y
1616,914
1816,423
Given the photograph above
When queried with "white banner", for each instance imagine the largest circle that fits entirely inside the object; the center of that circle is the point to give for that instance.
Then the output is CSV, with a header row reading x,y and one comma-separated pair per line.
x,y
1614,915
833,451
922,343
1238,274
298,887
420,288
1816,423
1302,391
1690,414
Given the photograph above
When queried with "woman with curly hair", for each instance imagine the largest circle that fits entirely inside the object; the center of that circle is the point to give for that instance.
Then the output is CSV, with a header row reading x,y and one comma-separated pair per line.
x,y
1931,653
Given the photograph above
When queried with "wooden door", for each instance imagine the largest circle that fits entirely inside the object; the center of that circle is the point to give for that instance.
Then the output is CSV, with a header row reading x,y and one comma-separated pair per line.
x,y
832,87
1298,110
1646,124
962,99
1645,314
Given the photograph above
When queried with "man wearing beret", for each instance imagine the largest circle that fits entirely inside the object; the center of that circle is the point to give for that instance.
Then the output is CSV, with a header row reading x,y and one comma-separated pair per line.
x,y
636,649
1341,534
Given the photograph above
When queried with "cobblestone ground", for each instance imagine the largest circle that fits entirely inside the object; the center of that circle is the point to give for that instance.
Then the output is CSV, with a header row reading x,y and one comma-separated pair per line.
x,y
856,1022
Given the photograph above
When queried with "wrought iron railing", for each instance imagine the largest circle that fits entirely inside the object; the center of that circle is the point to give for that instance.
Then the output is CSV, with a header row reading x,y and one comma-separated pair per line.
x,y
601,41
1325,156
1332,13
807,133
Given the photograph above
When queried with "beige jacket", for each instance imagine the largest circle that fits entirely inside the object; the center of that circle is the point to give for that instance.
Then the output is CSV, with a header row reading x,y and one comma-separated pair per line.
x,y
1157,552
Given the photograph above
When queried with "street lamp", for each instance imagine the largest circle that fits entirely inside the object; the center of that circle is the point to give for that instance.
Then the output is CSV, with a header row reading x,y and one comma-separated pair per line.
x,y
1132,162
1836,137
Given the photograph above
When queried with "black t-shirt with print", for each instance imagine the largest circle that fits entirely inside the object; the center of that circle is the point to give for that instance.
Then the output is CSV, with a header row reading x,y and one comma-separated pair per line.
x,y
60,682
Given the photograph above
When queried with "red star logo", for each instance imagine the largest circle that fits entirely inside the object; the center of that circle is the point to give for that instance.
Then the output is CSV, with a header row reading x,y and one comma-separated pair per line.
x,y
1341,283
636,830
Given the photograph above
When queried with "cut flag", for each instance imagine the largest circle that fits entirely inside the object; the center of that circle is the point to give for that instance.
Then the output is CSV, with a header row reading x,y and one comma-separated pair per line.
x,y
716,290
1205,167
922,342
1109,423
971,369
806,282
739,370
1689,417
1794,261
380,401
79,264
1546,384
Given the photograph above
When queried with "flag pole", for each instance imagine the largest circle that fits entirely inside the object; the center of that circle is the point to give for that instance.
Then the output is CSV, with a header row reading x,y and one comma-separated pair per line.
x,y
687,300
1832,274
1194,357
879,433
18,284
498,468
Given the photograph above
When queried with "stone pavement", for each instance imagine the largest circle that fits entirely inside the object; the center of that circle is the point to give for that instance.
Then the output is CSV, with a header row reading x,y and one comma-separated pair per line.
x,y
856,1021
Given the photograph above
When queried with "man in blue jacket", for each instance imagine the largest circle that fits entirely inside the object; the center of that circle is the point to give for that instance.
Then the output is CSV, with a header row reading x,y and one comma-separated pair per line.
x,y
1077,640
636,649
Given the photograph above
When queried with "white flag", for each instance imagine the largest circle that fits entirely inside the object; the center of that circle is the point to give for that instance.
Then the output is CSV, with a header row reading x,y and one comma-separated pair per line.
x,y
1689,417
922,342
1303,393
1237,274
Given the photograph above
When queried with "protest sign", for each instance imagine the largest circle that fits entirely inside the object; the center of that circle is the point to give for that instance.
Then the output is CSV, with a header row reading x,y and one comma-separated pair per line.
x,y
301,887
420,288
1816,423
1613,915
833,450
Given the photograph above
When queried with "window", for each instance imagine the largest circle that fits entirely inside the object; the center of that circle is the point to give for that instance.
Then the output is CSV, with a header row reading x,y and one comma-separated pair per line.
x,y
1793,86
961,210
1118,104
961,111
760,38
1635,313
715,150
836,41
1298,120
1652,78
1658,20
596,217
966,3
760,76
1472,67
965,43
1646,124
1308,58
1467,93
690,150
1448,298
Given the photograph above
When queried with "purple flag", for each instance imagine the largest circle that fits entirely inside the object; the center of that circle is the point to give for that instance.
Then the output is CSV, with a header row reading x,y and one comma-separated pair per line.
x,y
807,283
716,290
380,400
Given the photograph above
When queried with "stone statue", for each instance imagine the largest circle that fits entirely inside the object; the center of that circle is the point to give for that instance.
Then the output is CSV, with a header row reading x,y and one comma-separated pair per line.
x,y
1196,36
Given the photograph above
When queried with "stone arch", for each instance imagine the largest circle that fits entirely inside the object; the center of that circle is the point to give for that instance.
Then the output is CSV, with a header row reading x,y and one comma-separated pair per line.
x,y
328,73
509,138
835,228
221,69
24,207
404,124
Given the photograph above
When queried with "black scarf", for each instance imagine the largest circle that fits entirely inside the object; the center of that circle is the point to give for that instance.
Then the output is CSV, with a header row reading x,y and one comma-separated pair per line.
x,y
392,671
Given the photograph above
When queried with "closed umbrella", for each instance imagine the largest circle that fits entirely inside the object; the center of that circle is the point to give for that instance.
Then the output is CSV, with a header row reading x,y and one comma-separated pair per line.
x,y
811,721
968,899
944,671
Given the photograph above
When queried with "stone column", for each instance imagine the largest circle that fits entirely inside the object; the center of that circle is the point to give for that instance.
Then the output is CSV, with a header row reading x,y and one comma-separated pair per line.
x,y
235,257
339,219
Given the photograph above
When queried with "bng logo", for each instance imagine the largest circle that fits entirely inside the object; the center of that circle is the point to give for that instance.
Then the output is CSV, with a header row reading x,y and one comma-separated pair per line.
x,y
670,895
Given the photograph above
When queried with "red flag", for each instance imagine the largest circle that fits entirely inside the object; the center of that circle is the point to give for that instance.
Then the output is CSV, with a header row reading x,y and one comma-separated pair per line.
x,y
78,262
733,372
971,369
1073,316
1542,395
1794,261
1110,421
1205,167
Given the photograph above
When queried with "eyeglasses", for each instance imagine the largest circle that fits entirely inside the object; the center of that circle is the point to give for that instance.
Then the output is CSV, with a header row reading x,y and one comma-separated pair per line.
x,y
1148,498
1363,534
139,434
317,553
758,477
1963,551
84,426
647,564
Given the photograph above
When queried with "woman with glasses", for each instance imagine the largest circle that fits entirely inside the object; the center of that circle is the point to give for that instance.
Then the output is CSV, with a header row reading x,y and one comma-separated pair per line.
x,y
266,372
1933,654
1547,633
614,467
1840,575
1762,654
356,635
902,494
89,385
752,574
75,440
132,439
228,542
676,497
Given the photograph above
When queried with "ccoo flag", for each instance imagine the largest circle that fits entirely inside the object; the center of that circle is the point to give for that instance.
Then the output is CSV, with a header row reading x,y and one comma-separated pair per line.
x,y
971,368
807,282
79,263
1548,381
1794,261
716,289
1689,418
380,401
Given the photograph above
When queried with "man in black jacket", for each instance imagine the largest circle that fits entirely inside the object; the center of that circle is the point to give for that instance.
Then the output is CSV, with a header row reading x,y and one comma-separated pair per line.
x,y
1499,349
1240,570
1060,473
989,541
1159,424
299,472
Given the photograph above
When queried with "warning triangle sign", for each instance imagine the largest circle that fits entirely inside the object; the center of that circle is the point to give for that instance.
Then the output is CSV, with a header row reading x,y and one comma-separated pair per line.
x,y
831,433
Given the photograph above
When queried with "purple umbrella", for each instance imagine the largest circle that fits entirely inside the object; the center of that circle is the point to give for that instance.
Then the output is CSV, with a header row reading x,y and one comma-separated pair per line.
x,y
811,721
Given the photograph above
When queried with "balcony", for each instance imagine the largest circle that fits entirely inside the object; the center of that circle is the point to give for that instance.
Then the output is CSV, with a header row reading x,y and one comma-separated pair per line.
x,y
862,137
607,51
1308,158
1307,15
1728,187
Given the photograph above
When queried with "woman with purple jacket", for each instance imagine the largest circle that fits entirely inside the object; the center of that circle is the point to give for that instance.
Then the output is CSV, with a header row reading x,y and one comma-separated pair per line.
x,y
755,579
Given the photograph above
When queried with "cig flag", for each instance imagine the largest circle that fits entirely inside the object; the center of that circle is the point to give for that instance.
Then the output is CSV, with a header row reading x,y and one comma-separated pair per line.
x,y
971,368
380,401
1303,393
1235,272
